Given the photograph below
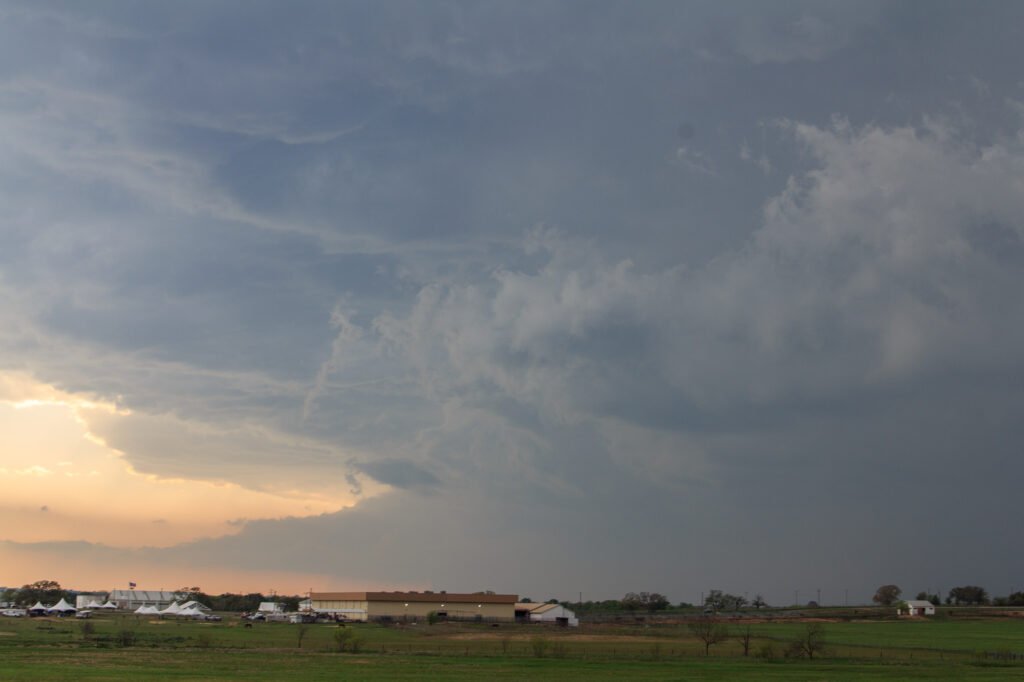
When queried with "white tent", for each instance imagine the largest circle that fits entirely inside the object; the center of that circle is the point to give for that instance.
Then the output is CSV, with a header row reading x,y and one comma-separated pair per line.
x,y
110,606
62,607
92,605
195,605
191,612
146,610
172,610
38,607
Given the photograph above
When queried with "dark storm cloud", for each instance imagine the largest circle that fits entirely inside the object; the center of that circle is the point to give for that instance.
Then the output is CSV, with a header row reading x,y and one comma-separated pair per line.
x,y
715,276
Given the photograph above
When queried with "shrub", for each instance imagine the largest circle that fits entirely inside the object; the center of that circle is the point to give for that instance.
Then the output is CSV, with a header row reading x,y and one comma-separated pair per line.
x,y
766,652
346,640
433,618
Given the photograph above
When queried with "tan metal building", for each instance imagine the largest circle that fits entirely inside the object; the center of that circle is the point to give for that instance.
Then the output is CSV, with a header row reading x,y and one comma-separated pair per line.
x,y
414,605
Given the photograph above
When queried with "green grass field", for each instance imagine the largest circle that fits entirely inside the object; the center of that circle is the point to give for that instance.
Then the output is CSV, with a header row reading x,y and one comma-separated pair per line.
x,y
883,650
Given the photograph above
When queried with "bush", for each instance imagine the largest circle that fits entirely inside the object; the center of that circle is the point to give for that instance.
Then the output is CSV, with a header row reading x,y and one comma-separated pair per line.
x,y
126,637
346,640
766,652
433,618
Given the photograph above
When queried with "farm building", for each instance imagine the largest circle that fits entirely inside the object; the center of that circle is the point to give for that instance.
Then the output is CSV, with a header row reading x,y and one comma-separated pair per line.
x,y
546,613
914,607
414,605
267,607
129,600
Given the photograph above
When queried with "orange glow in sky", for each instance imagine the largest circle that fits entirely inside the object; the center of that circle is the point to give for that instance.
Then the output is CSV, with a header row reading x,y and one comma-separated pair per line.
x,y
61,483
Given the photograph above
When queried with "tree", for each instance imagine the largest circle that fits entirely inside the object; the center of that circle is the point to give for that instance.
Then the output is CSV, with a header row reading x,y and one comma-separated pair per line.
x,y
46,591
743,636
887,595
723,601
758,602
190,593
811,642
967,594
709,631
650,601
933,598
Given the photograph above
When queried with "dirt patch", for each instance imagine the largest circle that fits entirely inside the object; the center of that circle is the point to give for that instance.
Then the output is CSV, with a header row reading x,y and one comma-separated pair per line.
x,y
8,634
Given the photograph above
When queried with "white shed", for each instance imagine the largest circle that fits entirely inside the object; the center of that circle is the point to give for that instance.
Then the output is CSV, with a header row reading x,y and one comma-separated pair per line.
x,y
916,607
546,613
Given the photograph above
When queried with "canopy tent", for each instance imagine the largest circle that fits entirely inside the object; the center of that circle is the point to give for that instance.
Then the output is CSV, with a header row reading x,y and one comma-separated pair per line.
x,y
191,612
194,604
147,610
38,607
62,607
172,610
92,605
110,606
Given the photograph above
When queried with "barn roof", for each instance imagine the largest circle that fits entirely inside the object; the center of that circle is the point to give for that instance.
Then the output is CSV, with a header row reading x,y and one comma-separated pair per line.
x,y
442,597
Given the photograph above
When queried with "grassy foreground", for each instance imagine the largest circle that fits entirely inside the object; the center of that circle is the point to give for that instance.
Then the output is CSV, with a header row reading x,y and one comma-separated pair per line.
x,y
127,647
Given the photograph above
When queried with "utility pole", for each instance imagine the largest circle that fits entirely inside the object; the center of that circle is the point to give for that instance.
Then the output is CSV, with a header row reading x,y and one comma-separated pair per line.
x,y
796,597
819,596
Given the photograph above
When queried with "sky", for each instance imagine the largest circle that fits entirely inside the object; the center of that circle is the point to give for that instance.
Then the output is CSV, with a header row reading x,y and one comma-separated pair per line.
x,y
557,298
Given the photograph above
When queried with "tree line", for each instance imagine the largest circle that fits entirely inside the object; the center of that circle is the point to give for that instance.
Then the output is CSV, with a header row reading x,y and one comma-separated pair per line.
x,y
965,595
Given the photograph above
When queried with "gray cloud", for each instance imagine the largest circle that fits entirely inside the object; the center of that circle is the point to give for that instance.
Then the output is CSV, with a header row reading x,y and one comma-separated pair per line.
x,y
508,261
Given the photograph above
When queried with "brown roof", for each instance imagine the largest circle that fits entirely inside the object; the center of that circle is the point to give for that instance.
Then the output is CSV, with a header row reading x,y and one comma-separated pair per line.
x,y
442,597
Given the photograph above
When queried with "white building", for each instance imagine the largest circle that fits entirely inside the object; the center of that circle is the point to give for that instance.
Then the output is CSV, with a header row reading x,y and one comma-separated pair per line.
x,y
89,601
915,607
546,613
129,600
268,607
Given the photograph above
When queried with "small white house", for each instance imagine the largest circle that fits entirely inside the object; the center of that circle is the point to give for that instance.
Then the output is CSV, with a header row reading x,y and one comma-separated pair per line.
x,y
270,607
916,607
546,613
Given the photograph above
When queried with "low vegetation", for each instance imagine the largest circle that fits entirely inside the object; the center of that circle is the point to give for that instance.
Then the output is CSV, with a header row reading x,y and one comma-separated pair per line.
x,y
945,647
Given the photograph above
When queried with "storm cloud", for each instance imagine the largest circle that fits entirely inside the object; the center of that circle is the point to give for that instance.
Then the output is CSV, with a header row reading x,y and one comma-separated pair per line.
x,y
714,285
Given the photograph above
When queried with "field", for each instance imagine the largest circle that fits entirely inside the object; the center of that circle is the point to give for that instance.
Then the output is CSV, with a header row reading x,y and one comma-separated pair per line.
x,y
130,647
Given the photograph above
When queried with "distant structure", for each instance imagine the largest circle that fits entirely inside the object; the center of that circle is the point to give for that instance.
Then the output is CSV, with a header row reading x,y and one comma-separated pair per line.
x,y
366,606
546,613
129,600
267,607
90,601
915,607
